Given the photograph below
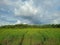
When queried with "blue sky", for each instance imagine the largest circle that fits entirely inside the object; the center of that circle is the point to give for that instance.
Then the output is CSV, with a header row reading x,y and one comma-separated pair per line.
x,y
29,12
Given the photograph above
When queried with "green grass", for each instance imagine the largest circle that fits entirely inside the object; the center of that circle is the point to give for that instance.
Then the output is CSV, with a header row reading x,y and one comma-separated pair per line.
x,y
30,36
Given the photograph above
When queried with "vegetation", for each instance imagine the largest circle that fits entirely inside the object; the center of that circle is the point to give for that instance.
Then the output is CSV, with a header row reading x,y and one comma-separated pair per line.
x,y
30,34
31,26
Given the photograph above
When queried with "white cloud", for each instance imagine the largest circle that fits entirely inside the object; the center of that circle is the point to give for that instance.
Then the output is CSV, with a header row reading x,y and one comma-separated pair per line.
x,y
23,22
33,11
18,22
26,9
55,22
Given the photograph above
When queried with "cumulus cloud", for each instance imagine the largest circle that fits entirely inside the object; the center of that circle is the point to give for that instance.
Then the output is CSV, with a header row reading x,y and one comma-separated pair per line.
x,y
26,9
30,11
18,22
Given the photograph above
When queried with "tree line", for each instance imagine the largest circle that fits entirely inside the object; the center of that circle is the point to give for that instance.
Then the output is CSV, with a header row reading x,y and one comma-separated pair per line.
x,y
31,26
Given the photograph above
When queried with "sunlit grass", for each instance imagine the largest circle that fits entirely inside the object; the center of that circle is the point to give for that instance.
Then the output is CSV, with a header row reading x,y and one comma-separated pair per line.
x,y
32,36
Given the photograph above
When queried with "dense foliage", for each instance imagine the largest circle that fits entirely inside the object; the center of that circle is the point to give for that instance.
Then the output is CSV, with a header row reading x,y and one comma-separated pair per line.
x,y
32,26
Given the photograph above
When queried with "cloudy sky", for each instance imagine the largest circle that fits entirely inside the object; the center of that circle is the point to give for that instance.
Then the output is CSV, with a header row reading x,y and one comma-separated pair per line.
x,y
29,12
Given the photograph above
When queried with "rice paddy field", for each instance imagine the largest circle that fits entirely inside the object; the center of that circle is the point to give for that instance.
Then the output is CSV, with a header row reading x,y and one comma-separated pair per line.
x,y
29,36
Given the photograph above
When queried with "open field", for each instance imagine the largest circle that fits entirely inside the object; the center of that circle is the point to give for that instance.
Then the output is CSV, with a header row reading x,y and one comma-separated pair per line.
x,y
29,36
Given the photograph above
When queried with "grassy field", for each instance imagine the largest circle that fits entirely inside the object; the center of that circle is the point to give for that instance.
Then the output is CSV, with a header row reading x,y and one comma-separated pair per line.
x,y
30,36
